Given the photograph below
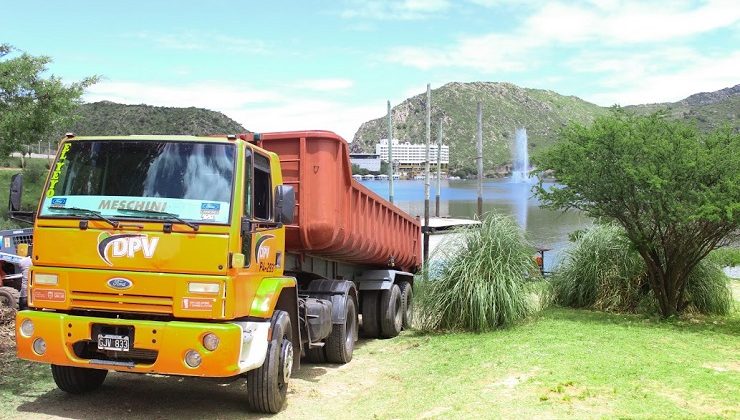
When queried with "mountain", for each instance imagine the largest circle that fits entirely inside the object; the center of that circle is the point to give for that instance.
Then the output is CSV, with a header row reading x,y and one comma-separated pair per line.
x,y
109,118
506,107
709,110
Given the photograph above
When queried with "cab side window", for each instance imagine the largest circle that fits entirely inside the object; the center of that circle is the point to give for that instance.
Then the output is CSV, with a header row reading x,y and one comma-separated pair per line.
x,y
262,187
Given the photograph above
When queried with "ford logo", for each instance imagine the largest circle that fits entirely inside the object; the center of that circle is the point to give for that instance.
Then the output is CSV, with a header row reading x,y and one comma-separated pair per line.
x,y
120,283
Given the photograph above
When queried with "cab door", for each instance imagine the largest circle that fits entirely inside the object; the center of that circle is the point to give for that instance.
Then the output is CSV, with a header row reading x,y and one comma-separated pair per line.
x,y
262,243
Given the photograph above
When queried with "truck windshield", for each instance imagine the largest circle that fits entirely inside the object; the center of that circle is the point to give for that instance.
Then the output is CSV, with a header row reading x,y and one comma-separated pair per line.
x,y
190,180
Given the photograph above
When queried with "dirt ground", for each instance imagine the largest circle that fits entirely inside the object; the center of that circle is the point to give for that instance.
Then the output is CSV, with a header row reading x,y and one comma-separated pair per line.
x,y
315,391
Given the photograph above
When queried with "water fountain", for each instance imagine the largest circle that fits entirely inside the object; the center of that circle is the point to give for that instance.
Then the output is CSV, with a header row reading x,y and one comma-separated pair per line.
x,y
520,169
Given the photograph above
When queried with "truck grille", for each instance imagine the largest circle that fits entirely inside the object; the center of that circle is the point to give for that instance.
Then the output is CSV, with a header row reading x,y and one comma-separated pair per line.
x,y
119,302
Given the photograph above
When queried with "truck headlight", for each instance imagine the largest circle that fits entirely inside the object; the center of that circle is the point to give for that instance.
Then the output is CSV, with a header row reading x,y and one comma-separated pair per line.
x,y
211,288
27,328
193,359
47,279
39,346
210,341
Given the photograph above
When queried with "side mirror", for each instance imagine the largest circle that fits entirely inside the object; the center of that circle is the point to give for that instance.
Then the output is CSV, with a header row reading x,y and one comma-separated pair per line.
x,y
16,193
284,204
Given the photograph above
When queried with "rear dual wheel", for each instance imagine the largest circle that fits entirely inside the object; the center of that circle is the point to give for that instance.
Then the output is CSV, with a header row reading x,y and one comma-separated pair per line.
x,y
382,312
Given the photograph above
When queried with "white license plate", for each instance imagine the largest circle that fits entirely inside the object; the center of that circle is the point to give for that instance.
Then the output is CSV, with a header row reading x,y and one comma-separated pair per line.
x,y
113,342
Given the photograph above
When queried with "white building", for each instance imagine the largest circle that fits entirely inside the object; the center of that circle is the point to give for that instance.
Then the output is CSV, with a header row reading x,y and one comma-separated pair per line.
x,y
369,161
412,156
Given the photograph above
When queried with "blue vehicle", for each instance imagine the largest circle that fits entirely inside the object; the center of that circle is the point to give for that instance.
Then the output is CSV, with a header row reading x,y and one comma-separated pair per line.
x,y
11,265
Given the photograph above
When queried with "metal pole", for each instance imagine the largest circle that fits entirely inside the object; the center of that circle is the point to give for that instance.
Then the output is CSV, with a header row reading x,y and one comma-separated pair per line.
x,y
480,161
439,168
390,155
426,175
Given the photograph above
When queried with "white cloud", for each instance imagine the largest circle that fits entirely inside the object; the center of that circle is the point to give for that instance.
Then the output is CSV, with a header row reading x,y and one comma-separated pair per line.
x,y
324,84
701,74
604,22
395,9
256,109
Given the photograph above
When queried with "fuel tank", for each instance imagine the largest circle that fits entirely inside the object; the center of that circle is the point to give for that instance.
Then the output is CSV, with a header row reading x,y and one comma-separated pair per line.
x,y
337,217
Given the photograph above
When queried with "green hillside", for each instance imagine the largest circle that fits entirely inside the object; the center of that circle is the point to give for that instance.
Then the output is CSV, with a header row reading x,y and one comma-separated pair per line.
x,y
108,118
709,110
506,107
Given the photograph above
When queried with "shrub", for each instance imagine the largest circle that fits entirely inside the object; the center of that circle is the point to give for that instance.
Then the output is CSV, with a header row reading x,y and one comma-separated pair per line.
x,y
602,271
35,170
482,281
726,257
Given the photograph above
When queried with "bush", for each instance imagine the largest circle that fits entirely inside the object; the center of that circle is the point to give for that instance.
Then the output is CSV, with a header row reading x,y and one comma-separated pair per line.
x,y
482,282
35,170
602,271
725,257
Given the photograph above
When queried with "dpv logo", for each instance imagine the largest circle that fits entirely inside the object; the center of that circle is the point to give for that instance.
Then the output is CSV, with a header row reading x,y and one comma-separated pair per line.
x,y
125,245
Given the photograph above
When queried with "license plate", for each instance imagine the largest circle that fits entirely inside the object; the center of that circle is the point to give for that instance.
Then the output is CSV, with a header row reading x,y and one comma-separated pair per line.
x,y
113,342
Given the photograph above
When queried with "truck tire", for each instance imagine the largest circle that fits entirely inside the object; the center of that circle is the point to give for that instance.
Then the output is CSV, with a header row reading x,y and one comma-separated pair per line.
x,y
391,313
407,303
76,380
370,318
267,386
9,297
341,342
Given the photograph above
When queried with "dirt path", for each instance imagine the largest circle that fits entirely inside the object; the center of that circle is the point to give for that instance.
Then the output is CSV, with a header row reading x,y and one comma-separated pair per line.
x,y
315,391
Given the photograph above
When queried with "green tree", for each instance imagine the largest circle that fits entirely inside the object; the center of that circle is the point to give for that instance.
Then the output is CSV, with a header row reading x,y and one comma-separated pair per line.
x,y
33,107
675,190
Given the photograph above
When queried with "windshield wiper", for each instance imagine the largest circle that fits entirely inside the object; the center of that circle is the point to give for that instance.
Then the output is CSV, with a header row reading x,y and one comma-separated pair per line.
x,y
86,212
168,216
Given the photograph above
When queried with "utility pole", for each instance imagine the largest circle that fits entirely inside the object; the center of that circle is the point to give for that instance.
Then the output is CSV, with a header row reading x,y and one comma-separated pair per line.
x,y
480,161
426,175
439,168
390,155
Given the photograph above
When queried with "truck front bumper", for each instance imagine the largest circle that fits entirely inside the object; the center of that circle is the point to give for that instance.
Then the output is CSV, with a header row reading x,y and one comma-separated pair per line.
x,y
156,347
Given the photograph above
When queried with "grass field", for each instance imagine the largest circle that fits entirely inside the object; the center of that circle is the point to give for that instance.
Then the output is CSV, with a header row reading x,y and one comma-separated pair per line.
x,y
564,363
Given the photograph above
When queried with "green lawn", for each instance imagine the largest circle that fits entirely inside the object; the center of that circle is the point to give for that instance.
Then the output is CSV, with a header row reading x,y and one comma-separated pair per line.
x,y
565,363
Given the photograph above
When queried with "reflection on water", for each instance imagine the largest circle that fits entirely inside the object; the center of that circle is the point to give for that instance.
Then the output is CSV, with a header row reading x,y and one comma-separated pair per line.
x,y
544,228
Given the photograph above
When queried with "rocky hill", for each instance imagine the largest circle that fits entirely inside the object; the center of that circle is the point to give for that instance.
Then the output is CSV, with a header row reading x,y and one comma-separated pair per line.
x,y
709,110
108,118
506,107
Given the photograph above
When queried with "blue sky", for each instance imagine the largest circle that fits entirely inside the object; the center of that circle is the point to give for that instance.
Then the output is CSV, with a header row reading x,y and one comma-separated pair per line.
x,y
333,64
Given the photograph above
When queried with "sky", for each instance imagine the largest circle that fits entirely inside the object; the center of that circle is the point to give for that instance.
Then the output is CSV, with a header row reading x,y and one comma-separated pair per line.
x,y
283,65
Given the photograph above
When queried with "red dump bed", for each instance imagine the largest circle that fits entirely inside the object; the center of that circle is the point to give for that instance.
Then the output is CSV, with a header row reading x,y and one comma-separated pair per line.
x,y
337,217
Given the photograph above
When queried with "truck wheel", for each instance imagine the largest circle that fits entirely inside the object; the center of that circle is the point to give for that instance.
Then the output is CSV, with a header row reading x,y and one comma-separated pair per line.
x,y
76,380
391,312
407,303
370,318
9,297
341,342
267,386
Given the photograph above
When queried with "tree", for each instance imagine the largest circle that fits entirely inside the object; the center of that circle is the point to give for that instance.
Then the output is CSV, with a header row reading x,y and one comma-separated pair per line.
x,y
32,107
675,190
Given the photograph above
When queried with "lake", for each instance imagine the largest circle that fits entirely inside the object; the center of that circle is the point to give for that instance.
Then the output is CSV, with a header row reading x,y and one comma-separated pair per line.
x,y
544,228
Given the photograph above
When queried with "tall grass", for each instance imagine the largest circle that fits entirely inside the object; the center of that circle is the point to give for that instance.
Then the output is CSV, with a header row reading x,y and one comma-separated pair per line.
x,y
481,283
601,271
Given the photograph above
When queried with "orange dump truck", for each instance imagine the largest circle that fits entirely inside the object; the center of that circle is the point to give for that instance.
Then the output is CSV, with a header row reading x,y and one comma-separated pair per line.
x,y
210,256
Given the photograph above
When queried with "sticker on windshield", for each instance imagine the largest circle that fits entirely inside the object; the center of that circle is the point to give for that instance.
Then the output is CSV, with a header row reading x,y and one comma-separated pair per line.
x,y
58,202
57,170
209,211
132,205
125,245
